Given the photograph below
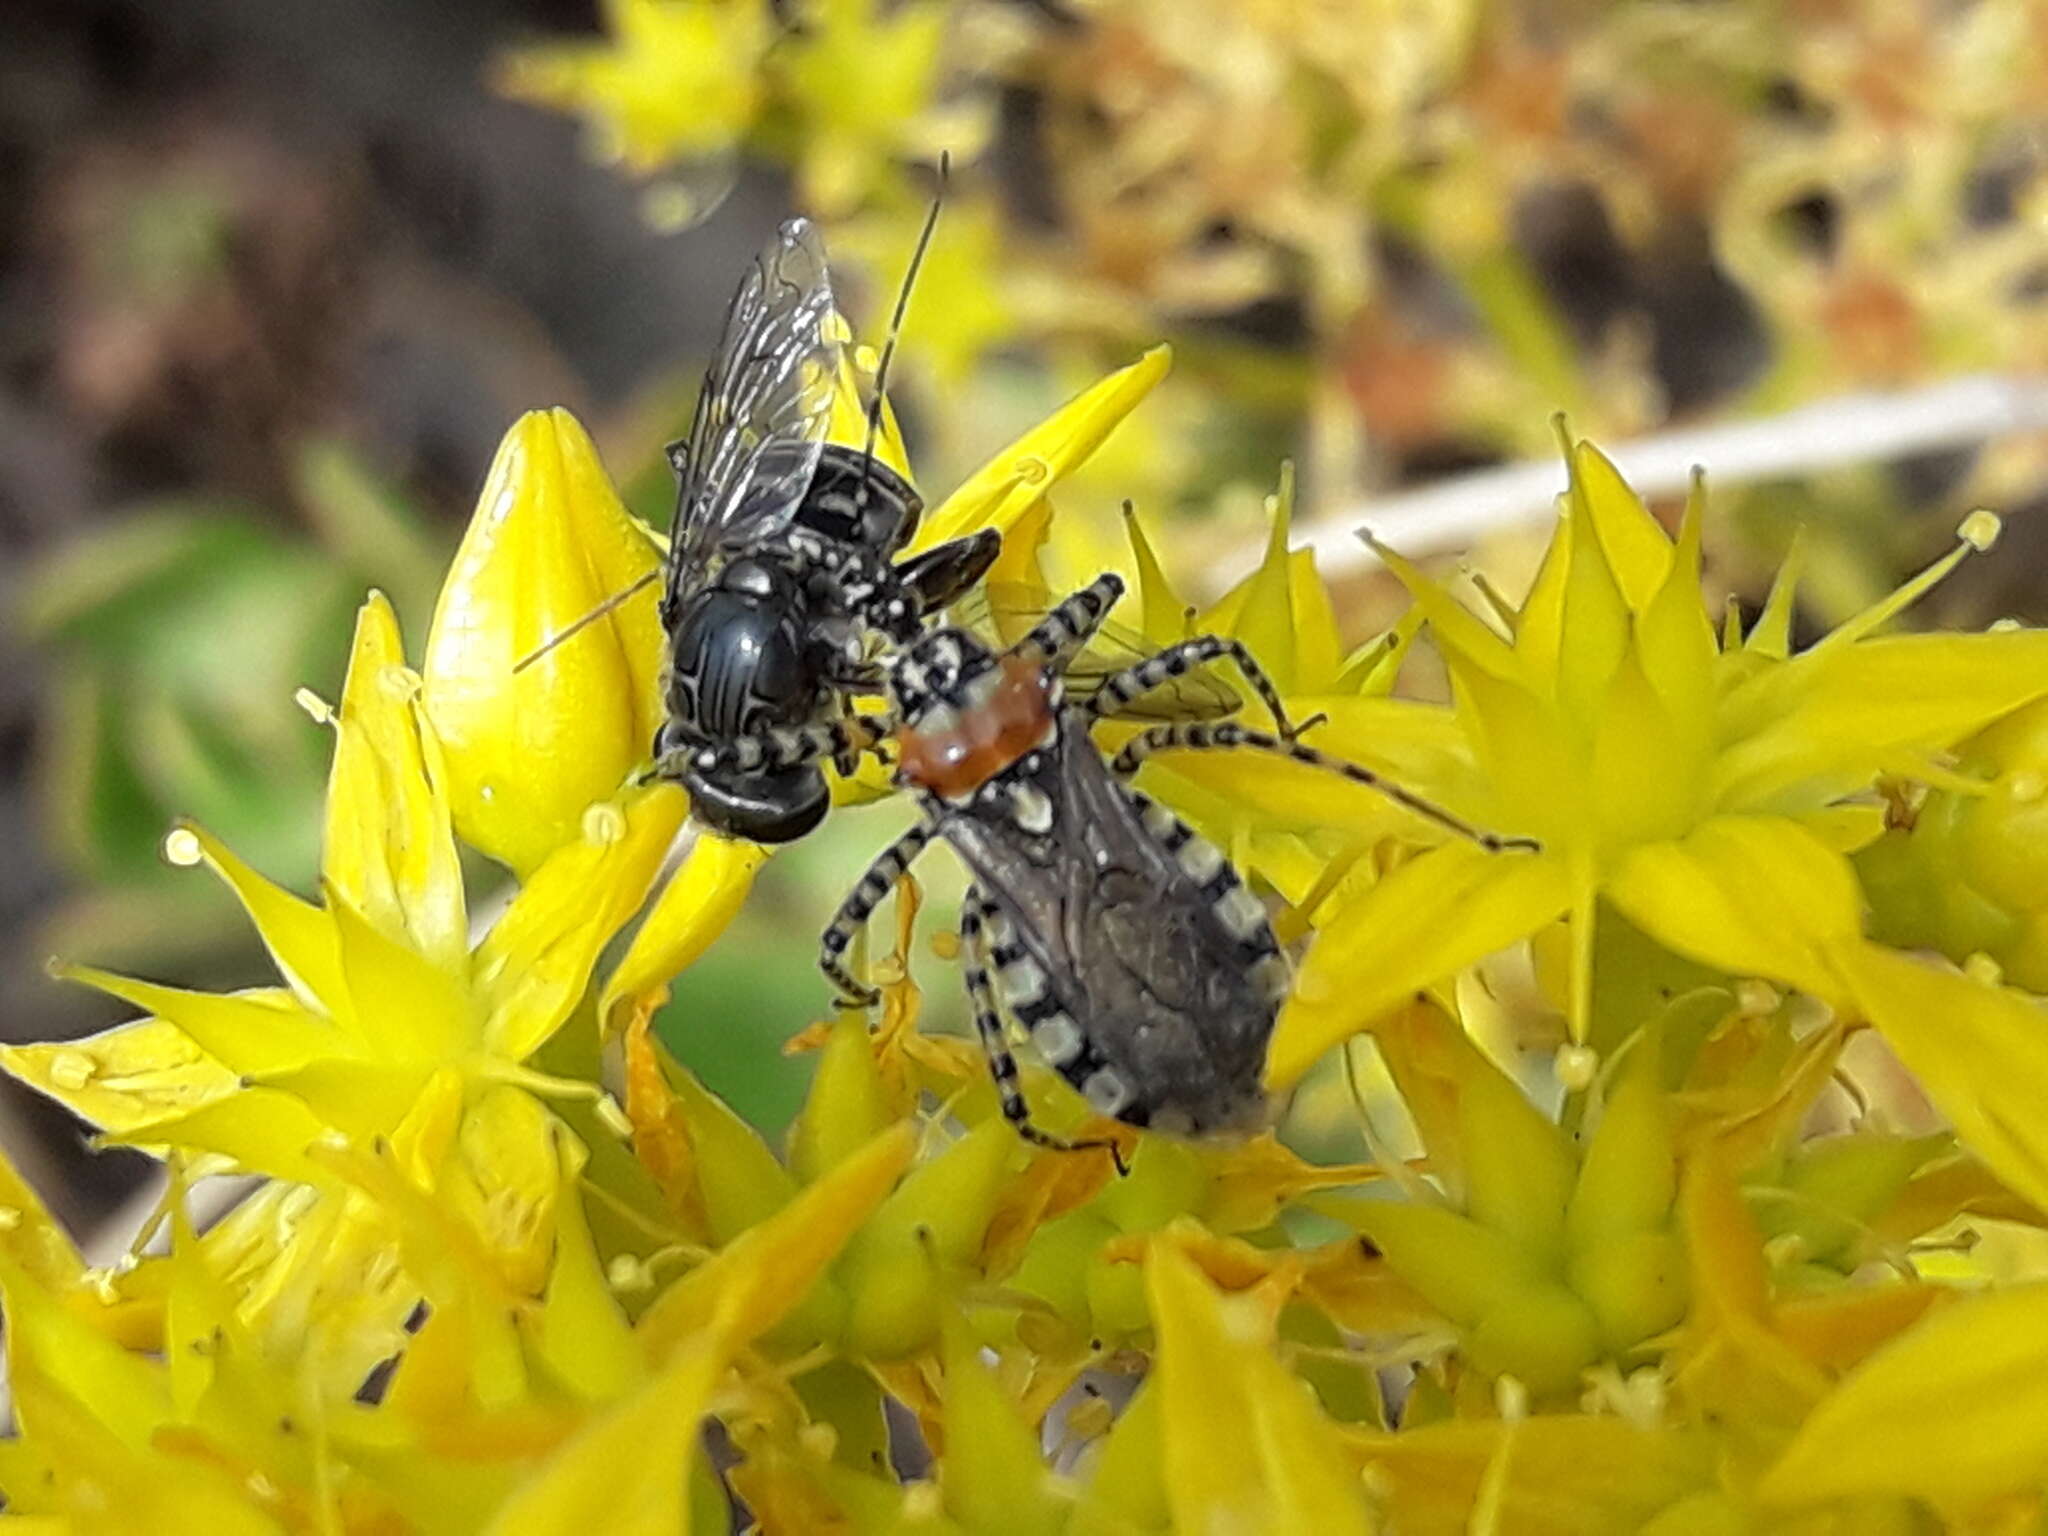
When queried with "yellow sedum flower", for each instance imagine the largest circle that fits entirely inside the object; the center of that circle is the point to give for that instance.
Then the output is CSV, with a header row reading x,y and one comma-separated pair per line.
x,y
1711,1265
678,79
1695,783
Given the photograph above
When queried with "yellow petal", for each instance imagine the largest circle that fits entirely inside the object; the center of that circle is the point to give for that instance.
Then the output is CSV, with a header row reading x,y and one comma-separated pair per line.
x,y
1424,922
407,1009
259,1130
1979,1051
1749,895
694,908
1956,1409
1565,1475
1012,482
1126,1488
1163,612
582,1334
390,845
1637,549
1826,722
127,1393
536,961
30,1236
897,1269
626,1473
714,1170
1260,609
125,1078
992,1474
96,1471
1519,1170
1596,630
299,936
1674,633
846,1105
262,1030
1246,1448
527,751
1770,636
1462,638
769,1268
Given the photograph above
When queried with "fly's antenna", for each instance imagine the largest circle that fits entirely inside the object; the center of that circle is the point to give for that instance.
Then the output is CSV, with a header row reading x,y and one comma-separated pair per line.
x,y
924,240
583,623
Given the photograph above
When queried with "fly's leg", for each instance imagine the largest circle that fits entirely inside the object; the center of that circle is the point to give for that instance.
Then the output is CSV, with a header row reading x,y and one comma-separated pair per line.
x,y
843,740
1058,637
859,906
1134,682
1196,737
988,1024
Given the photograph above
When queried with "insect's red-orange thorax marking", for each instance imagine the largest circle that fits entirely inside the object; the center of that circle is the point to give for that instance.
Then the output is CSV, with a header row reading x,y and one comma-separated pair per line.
x,y
1008,712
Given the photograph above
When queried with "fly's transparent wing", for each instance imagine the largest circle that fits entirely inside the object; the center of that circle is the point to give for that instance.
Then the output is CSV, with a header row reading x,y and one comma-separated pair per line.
x,y
1003,613
761,416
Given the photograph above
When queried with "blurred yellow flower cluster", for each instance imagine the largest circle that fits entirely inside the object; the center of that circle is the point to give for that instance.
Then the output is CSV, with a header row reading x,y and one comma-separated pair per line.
x,y
1432,224
1686,1204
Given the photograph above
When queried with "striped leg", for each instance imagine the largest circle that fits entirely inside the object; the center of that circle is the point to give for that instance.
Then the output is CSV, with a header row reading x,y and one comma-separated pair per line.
x,y
1135,682
843,740
988,1024
1196,737
859,906
1058,637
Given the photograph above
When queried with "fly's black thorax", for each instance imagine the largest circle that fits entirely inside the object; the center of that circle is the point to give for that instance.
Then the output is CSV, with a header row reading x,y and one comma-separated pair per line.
x,y
859,500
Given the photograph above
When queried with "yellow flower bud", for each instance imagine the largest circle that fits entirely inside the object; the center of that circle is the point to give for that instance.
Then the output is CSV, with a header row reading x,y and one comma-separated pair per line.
x,y
1635,1285
1518,1170
846,1107
528,750
1055,1268
911,1253
1629,1176
1542,1335
1461,1267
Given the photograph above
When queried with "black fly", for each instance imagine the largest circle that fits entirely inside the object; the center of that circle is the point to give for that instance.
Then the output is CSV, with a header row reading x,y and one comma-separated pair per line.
x,y
782,558
1124,944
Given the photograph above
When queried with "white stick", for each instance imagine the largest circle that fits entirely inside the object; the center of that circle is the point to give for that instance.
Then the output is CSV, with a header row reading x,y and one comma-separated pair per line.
x,y
1846,430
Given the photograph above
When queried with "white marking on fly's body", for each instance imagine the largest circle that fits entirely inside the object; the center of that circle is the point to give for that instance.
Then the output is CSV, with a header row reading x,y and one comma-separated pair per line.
x,y
1159,821
940,720
1271,977
1000,928
1032,808
1058,1039
1022,982
1201,859
1241,913
1105,1092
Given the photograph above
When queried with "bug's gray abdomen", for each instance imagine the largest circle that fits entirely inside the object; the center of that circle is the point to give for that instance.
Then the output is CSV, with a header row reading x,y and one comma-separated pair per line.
x,y
1174,1006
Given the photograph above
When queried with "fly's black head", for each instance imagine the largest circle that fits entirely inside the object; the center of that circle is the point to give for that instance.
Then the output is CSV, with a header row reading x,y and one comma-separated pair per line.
x,y
935,671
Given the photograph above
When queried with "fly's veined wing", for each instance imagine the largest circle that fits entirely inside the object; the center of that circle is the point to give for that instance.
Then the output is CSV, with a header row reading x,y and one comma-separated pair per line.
x,y
1003,613
761,416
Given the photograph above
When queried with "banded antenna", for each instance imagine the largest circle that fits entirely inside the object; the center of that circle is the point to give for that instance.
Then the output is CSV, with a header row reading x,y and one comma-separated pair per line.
x,y
924,240
585,622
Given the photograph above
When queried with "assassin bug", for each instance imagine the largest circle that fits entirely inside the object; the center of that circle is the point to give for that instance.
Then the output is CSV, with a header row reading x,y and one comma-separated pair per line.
x,y
1128,948
782,560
